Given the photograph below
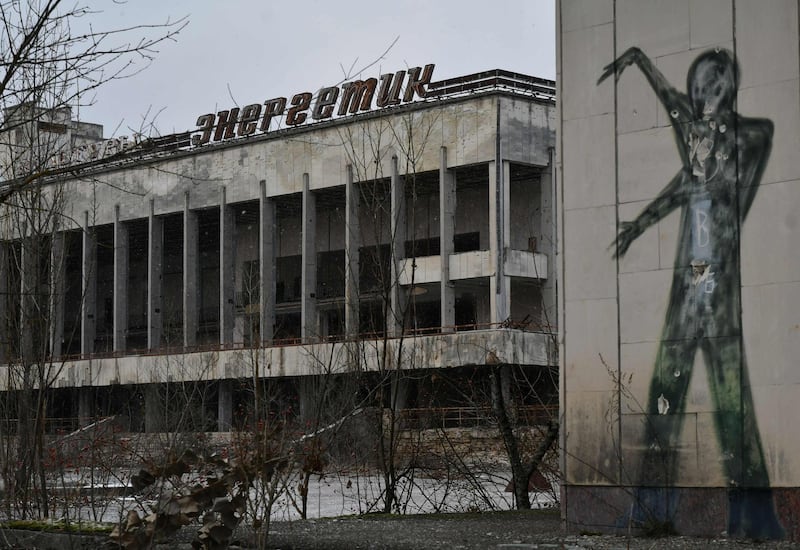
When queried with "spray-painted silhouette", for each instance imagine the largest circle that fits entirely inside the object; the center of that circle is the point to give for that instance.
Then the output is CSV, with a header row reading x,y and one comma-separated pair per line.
x,y
723,155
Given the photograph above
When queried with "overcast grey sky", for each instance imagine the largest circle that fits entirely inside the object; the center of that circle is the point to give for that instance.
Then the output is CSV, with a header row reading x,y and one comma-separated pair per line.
x,y
261,49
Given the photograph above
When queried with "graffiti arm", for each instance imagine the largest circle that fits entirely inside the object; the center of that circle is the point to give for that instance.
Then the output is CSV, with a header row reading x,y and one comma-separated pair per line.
x,y
754,142
672,196
675,102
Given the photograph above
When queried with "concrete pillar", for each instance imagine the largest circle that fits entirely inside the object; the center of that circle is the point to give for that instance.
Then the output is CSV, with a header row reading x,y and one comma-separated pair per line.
x,y
5,341
154,415
89,290
507,385
28,279
499,231
227,288
266,265
85,404
121,253
57,263
352,245
308,301
545,243
398,242
400,391
191,275
225,406
155,260
307,390
447,224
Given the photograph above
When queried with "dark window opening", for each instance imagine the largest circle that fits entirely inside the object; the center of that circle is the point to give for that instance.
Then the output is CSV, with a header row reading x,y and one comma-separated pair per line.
x,y
288,272
287,326
467,242
330,274
422,247
374,268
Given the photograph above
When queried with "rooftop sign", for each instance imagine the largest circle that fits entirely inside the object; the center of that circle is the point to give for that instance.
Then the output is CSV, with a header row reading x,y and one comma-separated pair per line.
x,y
349,98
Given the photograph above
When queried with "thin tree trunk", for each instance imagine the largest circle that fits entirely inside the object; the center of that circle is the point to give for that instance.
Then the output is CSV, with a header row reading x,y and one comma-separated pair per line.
x,y
519,479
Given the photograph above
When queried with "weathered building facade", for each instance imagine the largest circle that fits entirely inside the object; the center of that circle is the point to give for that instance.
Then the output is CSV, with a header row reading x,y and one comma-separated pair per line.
x,y
259,245
679,123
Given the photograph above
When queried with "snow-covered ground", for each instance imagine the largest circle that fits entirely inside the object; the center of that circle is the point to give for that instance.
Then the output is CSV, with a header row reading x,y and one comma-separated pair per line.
x,y
342,494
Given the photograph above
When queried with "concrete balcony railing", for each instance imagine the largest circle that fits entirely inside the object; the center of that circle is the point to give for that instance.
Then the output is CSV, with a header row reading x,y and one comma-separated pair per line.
x,y
470,347
472,265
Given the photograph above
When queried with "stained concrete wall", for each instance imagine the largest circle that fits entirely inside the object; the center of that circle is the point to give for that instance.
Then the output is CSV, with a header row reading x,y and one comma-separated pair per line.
x,y
467,129
724,430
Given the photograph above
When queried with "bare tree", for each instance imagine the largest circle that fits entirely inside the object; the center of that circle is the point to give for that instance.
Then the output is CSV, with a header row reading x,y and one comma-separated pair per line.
x,y
52,63
380,344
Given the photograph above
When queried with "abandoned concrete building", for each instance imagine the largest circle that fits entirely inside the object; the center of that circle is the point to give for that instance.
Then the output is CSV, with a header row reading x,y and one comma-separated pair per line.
x,y
268,244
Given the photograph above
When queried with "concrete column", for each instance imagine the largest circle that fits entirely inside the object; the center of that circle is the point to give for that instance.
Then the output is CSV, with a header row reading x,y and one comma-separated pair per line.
x,y
121,253
28,278
447,224
545,243
266,265
154,416
506,206
57,259
507,385
225,406
308,301
191,275
398,242
5,341
352,244
85,404
400,393
227,288
89,290
155,260
499,231
307,393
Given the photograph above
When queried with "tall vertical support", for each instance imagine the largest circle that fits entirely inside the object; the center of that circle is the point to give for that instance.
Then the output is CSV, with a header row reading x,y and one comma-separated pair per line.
x,y
499,234
266,266
225,406
191,275
89,290
5,335
398,239
57,270
155,260
447,223
545,243
308,390
28,279
121,253
308,301
352,244
154,409
227,289
85,404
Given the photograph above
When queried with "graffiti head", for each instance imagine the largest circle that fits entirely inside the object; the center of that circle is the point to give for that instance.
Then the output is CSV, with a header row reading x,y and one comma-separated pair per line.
x,y
712,82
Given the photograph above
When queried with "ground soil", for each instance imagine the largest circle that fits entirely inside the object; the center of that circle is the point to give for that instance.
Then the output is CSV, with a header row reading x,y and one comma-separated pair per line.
x,y
495,530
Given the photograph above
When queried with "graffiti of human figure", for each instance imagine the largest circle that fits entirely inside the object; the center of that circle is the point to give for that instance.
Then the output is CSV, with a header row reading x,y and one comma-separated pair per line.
x,y
723,156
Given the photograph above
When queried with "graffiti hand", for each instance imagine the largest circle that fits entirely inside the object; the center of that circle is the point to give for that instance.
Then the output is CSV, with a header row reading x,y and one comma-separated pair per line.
x,y
631,56
627,234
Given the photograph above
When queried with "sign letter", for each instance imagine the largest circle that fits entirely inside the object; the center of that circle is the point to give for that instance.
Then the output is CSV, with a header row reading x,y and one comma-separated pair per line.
x,y
300,103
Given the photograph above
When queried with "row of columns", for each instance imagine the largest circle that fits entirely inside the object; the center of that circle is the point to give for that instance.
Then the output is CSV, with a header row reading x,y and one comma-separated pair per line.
x,y
499,233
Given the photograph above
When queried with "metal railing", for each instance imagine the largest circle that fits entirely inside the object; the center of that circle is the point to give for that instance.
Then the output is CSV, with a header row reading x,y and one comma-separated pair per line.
x,y
468,417
493,80
409,332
